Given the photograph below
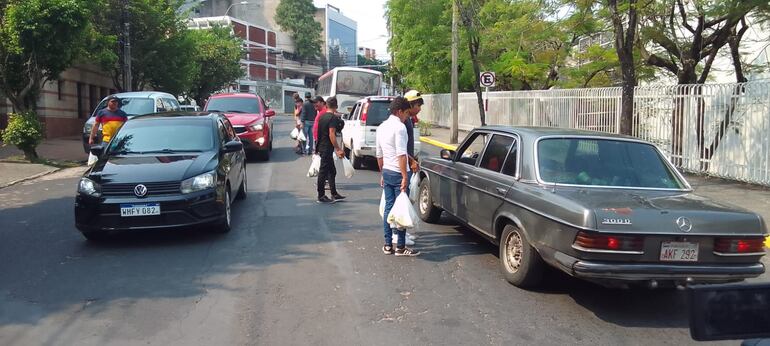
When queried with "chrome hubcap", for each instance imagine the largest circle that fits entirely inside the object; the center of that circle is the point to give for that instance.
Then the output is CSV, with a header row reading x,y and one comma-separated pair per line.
x,y
514,247
424,196
227,208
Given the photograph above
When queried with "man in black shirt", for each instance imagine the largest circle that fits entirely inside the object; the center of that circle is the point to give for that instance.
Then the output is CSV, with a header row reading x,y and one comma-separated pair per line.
x,y
326,147
307,116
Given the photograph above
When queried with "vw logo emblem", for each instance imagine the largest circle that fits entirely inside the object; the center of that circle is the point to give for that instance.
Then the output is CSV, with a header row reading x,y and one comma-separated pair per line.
x,y
684,224
140,190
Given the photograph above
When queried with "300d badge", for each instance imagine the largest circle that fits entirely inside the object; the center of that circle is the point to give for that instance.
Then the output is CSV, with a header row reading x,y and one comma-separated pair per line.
x,y
609,221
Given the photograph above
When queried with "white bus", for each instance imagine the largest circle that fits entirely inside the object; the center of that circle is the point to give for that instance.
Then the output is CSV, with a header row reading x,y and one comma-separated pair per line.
x,y
348,85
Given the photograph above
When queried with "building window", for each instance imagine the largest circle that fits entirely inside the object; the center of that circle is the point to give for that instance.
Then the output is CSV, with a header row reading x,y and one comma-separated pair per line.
x,y
60,88
81,113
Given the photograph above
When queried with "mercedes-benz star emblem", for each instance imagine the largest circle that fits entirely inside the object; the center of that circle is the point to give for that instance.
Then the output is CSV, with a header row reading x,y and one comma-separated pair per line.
x,y
141,190
684,224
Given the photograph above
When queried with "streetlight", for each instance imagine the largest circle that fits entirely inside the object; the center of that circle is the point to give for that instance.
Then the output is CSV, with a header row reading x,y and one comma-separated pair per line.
x,y
233,4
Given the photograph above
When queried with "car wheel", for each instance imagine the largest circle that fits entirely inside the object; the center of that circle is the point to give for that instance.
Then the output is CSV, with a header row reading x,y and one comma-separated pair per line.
x,y
226,224
357,162
95,236
242,190
519,261
428,211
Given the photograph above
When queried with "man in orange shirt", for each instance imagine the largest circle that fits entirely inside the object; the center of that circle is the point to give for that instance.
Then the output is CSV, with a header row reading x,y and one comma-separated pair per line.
x,y
110,118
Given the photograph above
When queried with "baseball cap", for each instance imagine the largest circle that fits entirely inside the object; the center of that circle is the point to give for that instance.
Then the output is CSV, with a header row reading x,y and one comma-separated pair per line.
x,y
307,94
319,99
413,95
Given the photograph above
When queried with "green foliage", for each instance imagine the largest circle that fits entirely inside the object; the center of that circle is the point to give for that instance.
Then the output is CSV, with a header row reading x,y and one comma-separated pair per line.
x,y
160,45
38,40
216,56
297,17
25,132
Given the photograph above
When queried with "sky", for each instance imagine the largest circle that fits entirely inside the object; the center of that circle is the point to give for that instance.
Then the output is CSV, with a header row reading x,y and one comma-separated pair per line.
x,y
370,16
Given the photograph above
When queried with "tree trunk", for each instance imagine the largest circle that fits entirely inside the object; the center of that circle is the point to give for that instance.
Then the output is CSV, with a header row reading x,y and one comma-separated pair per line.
x,y
30,154
627,97
473,45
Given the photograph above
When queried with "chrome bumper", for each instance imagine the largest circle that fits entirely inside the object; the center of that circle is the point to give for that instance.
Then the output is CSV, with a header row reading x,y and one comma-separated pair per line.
x,y
656,271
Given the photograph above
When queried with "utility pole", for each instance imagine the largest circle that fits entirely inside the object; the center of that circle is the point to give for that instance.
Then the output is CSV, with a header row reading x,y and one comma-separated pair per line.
x,y
453,123
126,47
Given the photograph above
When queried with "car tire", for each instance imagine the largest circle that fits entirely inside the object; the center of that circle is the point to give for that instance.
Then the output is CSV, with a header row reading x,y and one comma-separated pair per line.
x,y
520,263
226,224
244,187
428,211
95,236
262,155
356,161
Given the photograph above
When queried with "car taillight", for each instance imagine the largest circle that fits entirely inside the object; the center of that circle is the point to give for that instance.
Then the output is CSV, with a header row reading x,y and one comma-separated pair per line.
x,y
364,113
738,245
595,241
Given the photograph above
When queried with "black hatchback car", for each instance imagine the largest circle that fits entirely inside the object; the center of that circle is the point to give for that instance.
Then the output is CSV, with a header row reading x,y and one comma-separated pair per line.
x,y
163,170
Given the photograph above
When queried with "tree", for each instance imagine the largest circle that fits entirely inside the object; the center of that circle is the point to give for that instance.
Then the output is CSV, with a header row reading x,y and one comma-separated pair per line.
x,y
624,15
297,17
216,55
158,36
39,39
468,16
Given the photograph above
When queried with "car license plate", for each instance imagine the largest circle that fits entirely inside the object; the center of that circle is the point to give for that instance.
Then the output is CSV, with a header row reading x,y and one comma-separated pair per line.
x,y
139,209
678,252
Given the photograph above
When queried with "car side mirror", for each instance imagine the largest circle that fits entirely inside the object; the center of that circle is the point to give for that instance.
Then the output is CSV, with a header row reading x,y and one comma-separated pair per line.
x,y
233,146
269,113
447,154
97,149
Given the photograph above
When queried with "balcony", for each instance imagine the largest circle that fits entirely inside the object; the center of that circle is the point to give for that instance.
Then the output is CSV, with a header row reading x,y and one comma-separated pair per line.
x,y
295,66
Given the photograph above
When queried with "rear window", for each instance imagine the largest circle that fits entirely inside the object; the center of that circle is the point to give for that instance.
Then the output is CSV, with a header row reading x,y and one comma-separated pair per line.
x,y
164,135
233,105
377,113
133,105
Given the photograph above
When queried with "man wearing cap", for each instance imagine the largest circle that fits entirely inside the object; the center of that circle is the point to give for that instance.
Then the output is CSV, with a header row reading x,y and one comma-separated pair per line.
x,y
111,118
307,116
320,106
415,105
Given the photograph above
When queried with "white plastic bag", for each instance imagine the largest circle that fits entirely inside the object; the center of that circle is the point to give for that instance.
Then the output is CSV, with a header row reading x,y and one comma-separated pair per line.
x,y
414,187
294,133
382,204
315,166
402,214
348,167
301,136
92,159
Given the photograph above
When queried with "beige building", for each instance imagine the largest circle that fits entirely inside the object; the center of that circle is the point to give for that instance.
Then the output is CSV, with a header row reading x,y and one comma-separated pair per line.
x,y
64,105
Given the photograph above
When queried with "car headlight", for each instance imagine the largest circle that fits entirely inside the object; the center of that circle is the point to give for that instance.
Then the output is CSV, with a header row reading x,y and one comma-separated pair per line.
x,y
89,187
256,127
200,182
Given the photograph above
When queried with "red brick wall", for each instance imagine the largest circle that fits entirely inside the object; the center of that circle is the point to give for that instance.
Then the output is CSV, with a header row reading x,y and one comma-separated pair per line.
x,y
271,39
272,74
258,54
240,30
259,37
261,72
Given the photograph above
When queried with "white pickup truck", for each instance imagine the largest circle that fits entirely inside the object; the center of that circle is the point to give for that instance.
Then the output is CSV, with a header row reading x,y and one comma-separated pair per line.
x,y
360,132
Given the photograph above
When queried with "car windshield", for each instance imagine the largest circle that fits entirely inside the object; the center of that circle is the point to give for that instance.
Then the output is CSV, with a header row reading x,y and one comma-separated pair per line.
x,y
377,112
233,105
133,105
163,136
604,162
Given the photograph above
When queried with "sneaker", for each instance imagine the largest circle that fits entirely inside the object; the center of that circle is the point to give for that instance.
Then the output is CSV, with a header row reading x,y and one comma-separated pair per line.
x,y
388,250
408,240
338,196
325,200
407,252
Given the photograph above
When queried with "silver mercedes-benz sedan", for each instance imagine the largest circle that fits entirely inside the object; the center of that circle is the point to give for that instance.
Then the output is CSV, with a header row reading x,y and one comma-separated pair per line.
x,y
606,208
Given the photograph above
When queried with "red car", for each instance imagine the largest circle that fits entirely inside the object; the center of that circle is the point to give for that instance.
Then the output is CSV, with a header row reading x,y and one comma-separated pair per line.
x,y
251,119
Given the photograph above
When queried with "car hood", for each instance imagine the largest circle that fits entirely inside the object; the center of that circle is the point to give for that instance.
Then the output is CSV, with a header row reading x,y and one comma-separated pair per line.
x,y
242,118
151,168
663,212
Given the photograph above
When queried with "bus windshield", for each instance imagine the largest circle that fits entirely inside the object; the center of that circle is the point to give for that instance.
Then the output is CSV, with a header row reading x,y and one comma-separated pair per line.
x,y
358,83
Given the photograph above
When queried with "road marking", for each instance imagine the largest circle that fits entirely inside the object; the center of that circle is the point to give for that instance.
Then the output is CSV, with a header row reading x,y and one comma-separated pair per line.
x,y
437,143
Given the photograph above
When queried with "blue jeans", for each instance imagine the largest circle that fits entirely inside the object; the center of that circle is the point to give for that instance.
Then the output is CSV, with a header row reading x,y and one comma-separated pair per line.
x,y
308,131
392,187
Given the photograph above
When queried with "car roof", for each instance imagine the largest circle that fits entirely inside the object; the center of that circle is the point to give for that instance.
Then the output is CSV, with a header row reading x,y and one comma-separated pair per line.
x,y
227,95
178,115
536,131
143,94
378,98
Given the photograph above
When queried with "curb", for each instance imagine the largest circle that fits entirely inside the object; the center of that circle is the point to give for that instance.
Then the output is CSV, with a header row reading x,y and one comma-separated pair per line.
x,y
436,143
30,177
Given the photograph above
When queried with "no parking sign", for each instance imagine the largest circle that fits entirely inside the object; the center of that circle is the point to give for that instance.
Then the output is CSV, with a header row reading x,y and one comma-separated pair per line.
x,y
487,79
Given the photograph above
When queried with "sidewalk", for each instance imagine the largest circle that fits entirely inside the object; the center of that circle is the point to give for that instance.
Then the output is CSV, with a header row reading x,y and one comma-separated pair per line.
x,y
63,150
747,196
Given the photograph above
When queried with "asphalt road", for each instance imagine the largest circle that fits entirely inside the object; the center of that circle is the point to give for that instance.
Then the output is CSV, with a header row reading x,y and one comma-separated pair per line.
x,y
291,272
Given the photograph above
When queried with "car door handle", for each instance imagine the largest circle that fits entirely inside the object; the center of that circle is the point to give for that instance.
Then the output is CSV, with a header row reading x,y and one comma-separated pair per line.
x,y
463,178
501,191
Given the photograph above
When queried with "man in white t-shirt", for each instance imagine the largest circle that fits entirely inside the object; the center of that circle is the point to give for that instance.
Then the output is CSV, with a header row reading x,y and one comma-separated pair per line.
x,y
392,159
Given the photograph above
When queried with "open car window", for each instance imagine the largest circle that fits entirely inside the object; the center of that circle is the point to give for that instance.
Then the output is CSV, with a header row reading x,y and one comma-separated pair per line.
x,y
496,152
604,162
472,150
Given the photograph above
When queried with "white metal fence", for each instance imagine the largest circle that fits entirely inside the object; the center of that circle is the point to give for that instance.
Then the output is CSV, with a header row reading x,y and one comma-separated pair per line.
x,y
717,129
